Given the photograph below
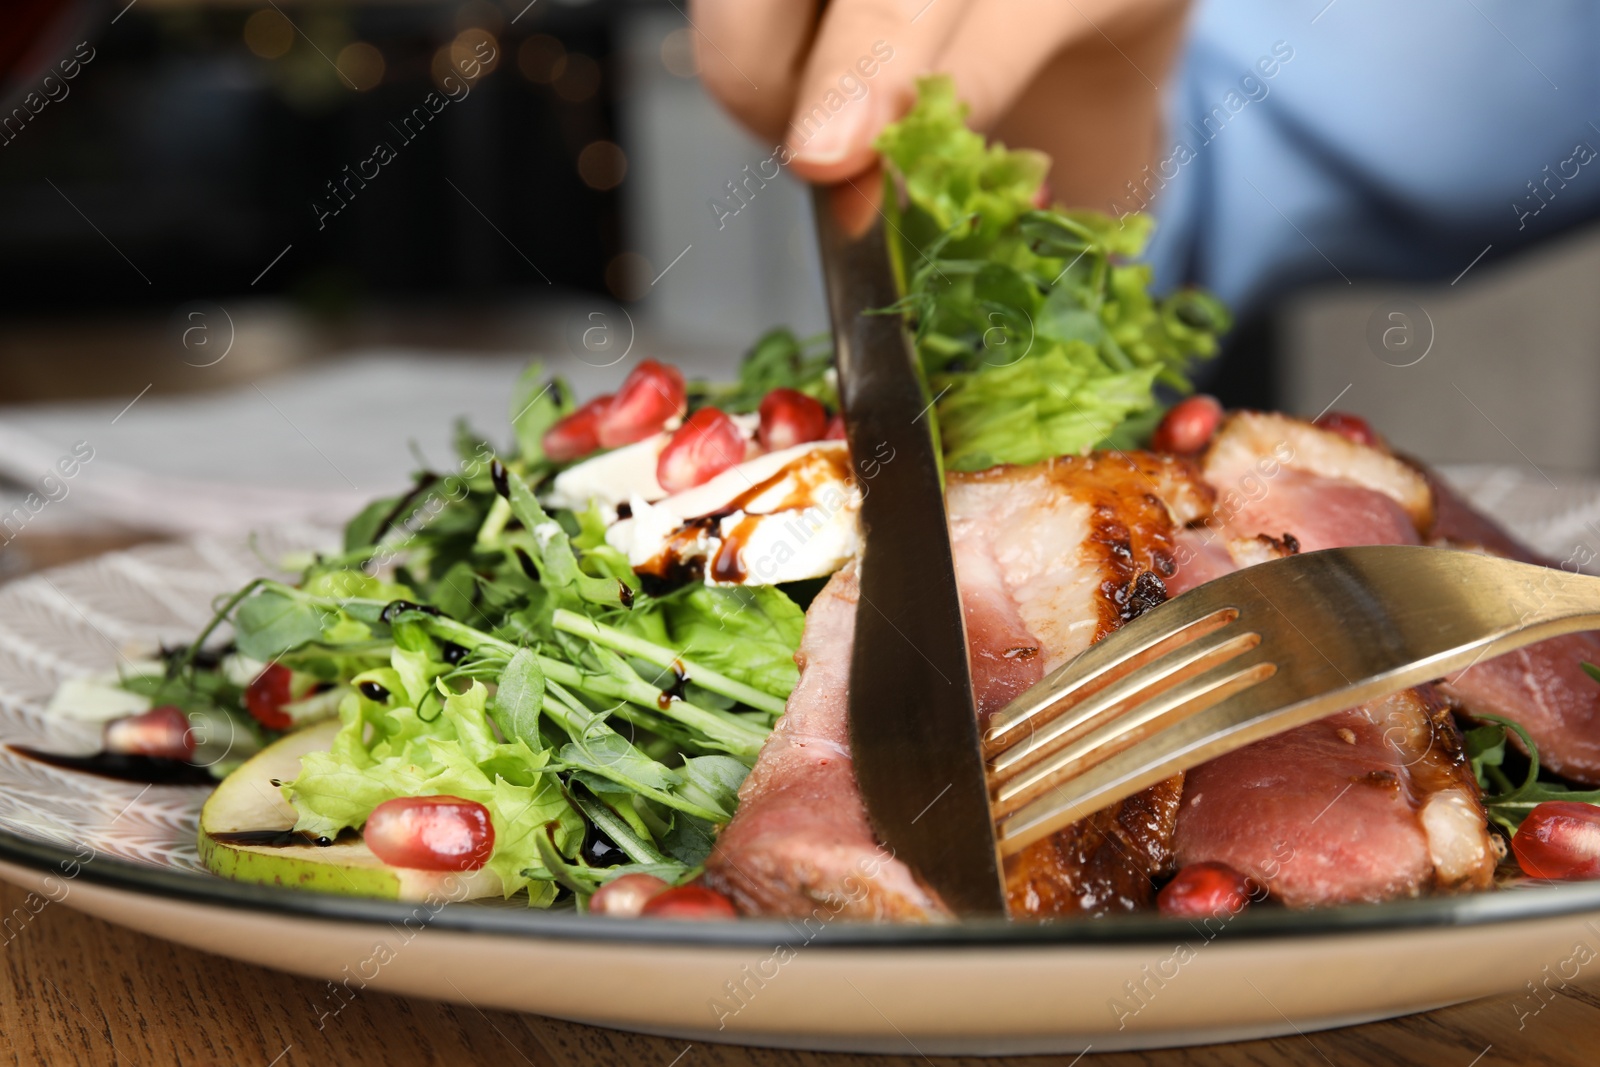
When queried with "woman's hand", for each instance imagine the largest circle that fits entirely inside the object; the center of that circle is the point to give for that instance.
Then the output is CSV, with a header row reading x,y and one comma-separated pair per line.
x,y
1075,78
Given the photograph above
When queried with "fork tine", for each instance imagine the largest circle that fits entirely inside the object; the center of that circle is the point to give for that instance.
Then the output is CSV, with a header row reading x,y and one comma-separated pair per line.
x,y
1069,798
1345,626
1103,664
1146,682
1161,712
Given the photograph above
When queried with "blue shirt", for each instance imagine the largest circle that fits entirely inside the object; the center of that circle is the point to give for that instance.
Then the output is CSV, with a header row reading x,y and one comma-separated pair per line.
x,y
1393,139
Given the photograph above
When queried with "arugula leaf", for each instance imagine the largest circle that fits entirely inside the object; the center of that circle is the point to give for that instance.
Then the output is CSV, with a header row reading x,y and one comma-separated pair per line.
x,y
634,842
601,751
364,529
748,633
552,551
537,404
778,360
1509,804
196,693
1036,337
519,697
272,622
583,880
690,840
674,657
616,798
713,782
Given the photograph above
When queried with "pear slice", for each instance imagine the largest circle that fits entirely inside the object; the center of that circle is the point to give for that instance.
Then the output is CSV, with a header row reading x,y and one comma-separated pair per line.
x,y
249,802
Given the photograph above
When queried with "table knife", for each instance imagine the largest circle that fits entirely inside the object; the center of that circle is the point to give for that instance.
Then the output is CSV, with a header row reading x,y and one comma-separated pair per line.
x,y
913,727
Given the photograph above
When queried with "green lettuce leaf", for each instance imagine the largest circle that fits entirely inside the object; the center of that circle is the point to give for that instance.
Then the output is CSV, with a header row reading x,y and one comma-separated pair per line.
x,y
386,749
519,696
748,633
557,564
1036,336
537,404
1509,803
778,360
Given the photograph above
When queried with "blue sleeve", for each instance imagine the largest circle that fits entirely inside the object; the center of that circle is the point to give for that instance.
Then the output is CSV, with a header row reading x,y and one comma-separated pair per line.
x,y
1311,142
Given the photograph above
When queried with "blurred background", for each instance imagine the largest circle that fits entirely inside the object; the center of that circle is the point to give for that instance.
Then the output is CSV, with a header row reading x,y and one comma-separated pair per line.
x,y
206,138
259,254
211,271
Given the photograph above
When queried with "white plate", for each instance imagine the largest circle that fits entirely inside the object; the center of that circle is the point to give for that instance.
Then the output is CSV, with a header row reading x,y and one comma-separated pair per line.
x,y
125,852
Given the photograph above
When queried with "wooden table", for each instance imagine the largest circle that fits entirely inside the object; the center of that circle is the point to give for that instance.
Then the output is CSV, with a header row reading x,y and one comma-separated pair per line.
x,y
75,990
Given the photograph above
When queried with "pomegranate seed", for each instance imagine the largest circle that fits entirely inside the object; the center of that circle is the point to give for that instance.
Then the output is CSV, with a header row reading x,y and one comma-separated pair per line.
x,y
265,697
789,418
651,395
578,434
625,897
162,732
1042,196
689,902
1188,425
708,443
1202,890
1559,840
431,833
835,429
1350,427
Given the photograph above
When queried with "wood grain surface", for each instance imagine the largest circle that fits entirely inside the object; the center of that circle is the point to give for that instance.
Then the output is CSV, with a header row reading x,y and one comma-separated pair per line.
x,y
76,990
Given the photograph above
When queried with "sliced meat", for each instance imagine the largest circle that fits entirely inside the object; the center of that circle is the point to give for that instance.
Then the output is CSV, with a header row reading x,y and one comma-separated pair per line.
x,y
1203,555
1049,558
1104,864
1053,557
1458,524
1002,653
1080,545
1542,688
1408,814
1274,475
1071,538
1369,804
800,840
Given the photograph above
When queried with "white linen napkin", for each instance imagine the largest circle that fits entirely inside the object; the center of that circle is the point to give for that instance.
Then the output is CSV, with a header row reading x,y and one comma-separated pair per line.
x,y
309,446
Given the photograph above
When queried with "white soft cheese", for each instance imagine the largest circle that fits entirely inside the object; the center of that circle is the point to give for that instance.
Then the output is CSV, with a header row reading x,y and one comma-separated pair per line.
x,y
611,477
797,519
797,543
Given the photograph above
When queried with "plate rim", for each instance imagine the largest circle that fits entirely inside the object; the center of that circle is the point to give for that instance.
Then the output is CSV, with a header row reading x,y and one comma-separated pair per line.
x,y
1523,904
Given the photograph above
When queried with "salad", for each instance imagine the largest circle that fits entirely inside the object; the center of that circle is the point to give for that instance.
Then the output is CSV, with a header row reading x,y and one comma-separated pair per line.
x,y
520,673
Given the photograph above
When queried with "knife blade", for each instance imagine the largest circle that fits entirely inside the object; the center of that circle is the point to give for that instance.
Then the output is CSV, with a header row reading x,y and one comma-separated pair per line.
x,y
913,726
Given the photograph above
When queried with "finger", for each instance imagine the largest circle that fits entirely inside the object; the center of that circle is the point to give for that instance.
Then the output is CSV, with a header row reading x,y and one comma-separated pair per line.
x,y
856,202
860,76
992,63
750,54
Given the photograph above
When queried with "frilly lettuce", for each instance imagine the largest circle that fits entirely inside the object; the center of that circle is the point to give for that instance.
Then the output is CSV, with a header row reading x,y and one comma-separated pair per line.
x,y
388,749
1035,335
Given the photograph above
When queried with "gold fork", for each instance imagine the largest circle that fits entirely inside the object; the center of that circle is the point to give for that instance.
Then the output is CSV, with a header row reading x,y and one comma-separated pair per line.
x,y
1253,654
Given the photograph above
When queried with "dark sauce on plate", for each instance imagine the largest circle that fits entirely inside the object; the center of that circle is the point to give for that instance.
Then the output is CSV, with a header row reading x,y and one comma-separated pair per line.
x,y
150,770
272,838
